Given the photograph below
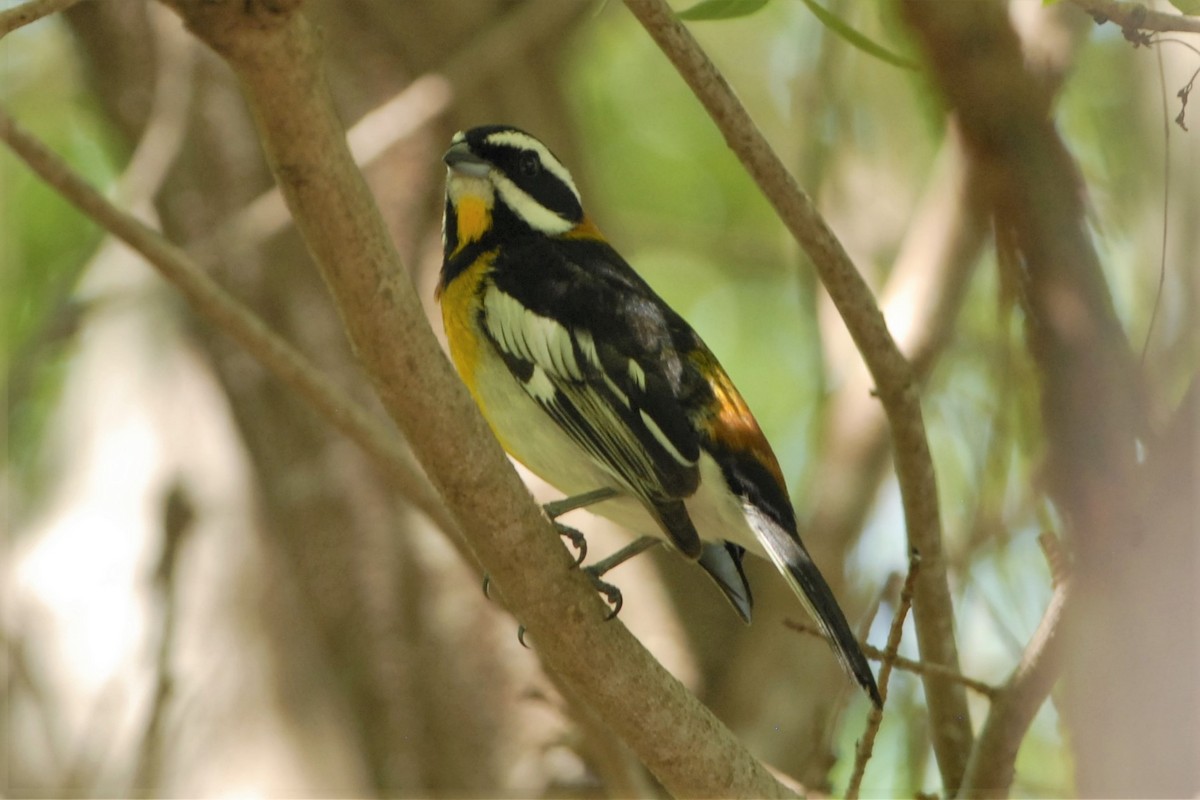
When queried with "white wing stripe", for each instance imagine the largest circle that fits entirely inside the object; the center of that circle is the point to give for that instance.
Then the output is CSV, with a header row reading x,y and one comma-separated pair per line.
x,y
662,439
530,336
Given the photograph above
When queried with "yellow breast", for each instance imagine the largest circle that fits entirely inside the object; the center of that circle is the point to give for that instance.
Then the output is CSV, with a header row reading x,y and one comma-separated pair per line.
x,y
460,302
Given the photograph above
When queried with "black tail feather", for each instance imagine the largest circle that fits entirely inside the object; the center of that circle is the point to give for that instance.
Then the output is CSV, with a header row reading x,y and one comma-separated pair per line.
x,y
806,581
723,562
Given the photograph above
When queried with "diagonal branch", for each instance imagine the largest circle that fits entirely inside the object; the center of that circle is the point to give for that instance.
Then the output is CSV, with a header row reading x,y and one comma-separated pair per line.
x,y
30,12
991,767
274,52
894,381
230,316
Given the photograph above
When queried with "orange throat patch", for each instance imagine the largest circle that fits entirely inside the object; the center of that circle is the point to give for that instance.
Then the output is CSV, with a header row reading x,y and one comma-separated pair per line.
x,y
474,215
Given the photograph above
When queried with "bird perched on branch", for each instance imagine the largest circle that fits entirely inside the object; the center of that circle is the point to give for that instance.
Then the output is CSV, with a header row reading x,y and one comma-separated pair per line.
x,y
590,380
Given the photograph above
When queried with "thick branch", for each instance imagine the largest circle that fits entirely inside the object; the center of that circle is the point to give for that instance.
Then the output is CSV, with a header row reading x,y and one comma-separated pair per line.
x,y
273,51
894,382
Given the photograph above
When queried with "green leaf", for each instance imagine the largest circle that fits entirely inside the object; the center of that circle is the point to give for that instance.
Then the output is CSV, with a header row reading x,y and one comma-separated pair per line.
x,y
721,9
1189,7
856,39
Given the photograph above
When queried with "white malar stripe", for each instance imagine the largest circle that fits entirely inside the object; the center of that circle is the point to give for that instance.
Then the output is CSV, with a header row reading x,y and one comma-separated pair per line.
x,y
534,213
523,141
658,434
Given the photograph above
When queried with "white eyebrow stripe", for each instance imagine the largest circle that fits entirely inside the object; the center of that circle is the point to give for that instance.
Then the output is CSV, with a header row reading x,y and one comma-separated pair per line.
x,y
523,141
537,215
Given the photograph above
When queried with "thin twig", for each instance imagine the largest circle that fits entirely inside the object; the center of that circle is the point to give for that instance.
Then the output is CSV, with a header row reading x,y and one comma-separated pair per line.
x,y
32,11
893,375
230,316
906,664
866,745
1133,17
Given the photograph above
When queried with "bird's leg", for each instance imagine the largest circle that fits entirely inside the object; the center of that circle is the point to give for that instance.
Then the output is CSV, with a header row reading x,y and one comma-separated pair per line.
x,y
557,508
627,552
611,593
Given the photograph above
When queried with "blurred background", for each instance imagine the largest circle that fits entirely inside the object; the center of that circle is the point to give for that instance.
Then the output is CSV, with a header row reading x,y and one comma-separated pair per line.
x,y
207,591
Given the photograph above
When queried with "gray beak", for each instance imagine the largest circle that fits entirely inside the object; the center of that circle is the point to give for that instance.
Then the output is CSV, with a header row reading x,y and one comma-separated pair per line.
x,y
460,159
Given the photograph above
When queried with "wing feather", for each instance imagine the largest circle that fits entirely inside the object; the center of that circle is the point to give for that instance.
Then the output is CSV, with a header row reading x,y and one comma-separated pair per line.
x,y
604,401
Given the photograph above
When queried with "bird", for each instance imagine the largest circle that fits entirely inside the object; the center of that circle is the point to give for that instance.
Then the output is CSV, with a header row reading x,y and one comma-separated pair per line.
x,y
590,380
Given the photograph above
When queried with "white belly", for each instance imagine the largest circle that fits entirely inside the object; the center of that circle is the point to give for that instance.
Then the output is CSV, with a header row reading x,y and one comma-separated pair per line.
x,y
551,454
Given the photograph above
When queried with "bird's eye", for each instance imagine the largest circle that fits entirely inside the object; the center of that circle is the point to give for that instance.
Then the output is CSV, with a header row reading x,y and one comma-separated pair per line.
x,y
529,165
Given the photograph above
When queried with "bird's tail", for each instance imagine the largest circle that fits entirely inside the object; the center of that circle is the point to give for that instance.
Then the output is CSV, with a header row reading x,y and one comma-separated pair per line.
x,y
791,559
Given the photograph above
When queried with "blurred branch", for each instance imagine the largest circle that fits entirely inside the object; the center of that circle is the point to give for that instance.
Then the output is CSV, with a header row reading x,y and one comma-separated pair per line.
x,y
32,11
166,121
991,767
921,300
1134,17
178,514
227,315
426,98
866,745
274,53
1134,720
407,112
893,375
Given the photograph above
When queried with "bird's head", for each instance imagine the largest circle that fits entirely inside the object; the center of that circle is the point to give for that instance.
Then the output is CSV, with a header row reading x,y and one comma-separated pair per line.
x,y
502,181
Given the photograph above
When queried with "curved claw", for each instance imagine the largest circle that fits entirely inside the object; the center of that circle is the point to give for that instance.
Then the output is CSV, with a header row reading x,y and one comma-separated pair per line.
x,y
487,585
521,636
576,539
611,593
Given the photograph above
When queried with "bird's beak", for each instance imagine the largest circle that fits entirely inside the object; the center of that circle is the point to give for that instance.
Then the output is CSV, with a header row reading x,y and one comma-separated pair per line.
x,y
460,159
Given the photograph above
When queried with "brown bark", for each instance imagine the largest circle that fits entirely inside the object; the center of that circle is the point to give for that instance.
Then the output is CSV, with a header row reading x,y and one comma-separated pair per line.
x,y
365,579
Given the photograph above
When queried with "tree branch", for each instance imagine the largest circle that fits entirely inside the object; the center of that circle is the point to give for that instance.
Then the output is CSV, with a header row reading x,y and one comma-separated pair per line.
x,y
30,12
238,322
992,764
866,745
272,49
894,382
423,100
902,663
1132,719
